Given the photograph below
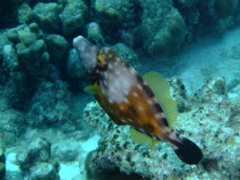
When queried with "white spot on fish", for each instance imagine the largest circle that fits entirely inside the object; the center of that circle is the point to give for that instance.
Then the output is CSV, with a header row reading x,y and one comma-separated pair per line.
x,y
139,87
140,108
120,82
150,102
135,94
158,116
133,71
123,120
154,100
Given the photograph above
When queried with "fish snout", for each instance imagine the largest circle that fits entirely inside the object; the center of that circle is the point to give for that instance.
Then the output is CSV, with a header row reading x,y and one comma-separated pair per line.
x,y
87,53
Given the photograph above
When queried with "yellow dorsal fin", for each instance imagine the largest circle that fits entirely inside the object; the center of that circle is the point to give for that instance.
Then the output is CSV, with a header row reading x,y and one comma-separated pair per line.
x,y
160,88
92,89
141,138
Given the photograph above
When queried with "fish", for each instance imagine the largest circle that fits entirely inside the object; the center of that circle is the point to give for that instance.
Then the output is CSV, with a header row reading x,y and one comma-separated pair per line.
x,y
130,99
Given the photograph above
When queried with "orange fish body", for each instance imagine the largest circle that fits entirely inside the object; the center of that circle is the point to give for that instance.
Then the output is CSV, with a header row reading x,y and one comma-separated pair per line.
x,y
128,99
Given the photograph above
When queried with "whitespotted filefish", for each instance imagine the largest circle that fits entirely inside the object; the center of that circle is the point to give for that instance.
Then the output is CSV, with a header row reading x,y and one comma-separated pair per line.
x,y
129,99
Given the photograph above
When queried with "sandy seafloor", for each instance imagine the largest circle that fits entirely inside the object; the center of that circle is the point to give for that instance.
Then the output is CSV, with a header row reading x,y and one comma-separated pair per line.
x,y
208,57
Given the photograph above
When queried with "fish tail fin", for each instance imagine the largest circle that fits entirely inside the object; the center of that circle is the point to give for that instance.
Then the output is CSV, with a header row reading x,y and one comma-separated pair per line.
x,y
186,150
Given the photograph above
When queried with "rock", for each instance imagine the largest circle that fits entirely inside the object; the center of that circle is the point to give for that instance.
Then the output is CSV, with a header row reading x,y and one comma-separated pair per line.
x,y
46,15
38,151
66,151
31,49
187,3
92,112
73,16
25,14
2,163
57,46
13,175
10,58
214,90
74,66
51,104
44,171
2,170
113,12
163,28
2,156
224,9
94,33
12,125
179,93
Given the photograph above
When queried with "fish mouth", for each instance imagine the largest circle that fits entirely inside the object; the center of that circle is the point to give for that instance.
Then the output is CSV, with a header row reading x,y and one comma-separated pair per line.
x,y
87,53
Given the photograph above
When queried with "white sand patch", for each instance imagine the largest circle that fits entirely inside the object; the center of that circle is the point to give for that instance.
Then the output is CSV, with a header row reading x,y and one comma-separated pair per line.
x,y
69,170
91,144
11,160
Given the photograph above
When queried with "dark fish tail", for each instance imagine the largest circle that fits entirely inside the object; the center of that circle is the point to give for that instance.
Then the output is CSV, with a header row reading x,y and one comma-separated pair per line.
x,y
186,150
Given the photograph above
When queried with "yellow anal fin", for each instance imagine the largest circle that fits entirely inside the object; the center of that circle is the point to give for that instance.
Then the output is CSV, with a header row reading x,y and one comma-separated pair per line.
x,y
141,138
160,88
91,89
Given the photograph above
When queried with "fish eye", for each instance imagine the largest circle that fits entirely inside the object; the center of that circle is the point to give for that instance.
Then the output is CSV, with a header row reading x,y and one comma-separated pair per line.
x,y
100,60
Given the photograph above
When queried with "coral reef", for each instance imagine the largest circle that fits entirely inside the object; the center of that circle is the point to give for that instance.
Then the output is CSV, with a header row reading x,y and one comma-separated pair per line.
x,y
42,85
31,49
23,59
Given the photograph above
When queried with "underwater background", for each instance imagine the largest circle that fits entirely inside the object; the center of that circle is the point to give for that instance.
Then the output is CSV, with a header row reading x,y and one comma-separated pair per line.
x,y
51,129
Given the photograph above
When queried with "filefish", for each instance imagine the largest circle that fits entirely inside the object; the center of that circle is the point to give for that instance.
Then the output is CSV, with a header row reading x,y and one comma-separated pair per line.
x,y
130,99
